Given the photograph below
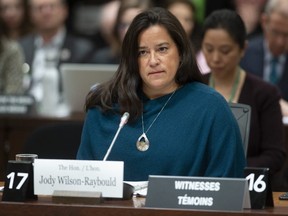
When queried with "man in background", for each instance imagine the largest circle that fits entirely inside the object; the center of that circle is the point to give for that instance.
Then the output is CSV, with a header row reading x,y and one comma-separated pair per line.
x,y
266,54
50,46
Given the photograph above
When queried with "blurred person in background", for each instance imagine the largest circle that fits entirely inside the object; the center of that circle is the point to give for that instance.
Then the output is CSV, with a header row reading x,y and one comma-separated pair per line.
x,y
224,43
108,16
250,12
266,55
47,48
15,18
185,12
11,64
127,11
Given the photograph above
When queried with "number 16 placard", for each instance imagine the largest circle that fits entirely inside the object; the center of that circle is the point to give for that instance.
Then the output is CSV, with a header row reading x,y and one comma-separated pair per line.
x,y
259,187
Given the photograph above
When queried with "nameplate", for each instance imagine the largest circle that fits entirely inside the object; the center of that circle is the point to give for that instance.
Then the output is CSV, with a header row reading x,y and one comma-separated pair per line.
x,y
227,194
52,175
16,104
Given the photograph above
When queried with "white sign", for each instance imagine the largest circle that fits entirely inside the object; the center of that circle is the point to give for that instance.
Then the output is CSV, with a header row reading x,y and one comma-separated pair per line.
x,y
78,175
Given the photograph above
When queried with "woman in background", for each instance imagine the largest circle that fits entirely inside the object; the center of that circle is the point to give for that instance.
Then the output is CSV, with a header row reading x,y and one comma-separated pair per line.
x,y
127,11
14,18
185,11
224,42
11,65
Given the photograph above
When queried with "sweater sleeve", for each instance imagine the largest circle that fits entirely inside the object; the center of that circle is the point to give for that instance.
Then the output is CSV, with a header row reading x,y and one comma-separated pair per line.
x,y
225,139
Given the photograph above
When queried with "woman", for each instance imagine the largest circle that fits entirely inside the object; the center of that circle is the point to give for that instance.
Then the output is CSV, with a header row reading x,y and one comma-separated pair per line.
x,y
127,11
11,66
15,18
224,42
170,131
185,11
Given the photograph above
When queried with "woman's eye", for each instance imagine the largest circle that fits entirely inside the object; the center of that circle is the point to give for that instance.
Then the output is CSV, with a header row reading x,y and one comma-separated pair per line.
x,y
163,49
225,51
208,50
142,53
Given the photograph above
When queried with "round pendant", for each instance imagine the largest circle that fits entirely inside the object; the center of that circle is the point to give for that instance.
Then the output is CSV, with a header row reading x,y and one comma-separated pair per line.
x,y
142,143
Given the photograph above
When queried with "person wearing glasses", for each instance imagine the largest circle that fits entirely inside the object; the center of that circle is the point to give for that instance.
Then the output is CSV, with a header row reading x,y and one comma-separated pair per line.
x,y
266,54
44,50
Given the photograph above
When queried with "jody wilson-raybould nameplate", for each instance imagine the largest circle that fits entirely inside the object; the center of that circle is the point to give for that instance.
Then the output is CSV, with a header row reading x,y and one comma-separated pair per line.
x,y
78,175
228,194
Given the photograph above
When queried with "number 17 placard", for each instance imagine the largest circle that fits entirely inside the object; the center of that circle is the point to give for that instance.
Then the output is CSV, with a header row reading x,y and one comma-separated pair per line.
x,y
19,182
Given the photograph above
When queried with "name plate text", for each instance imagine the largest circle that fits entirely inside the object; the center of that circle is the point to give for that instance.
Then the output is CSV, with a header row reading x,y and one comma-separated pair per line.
x,y
205,193
78,175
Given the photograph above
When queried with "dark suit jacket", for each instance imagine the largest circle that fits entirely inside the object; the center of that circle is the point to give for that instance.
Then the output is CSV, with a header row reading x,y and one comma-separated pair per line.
x,y
74,50
253,62
266,139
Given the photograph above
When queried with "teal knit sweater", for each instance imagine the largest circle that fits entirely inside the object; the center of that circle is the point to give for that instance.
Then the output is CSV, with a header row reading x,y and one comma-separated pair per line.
x,y
195,135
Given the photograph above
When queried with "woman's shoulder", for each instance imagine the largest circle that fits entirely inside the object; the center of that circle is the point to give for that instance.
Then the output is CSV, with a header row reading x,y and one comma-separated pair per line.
x,y
259,86
10,44
203,92
11,51
11,47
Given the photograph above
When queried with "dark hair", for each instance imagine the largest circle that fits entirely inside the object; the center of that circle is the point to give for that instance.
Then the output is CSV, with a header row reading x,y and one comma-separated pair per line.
x,y
228,20
125,87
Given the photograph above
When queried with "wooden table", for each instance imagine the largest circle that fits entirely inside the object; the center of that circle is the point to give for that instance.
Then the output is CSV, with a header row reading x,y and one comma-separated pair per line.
x,y
44,206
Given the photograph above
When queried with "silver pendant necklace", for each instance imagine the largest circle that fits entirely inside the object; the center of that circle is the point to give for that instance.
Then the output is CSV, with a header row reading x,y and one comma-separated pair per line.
x,y
143,142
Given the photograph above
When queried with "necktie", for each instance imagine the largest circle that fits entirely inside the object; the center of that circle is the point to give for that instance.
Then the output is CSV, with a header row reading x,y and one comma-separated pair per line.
x,y
273,70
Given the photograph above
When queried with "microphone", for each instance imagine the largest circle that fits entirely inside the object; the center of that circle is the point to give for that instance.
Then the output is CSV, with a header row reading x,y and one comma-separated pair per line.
x,y
123,121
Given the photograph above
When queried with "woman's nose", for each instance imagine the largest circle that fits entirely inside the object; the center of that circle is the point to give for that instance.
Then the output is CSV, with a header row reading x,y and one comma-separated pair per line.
x,y
154,60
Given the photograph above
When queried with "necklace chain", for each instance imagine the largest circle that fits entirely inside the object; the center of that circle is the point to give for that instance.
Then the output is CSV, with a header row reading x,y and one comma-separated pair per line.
x,y
156,116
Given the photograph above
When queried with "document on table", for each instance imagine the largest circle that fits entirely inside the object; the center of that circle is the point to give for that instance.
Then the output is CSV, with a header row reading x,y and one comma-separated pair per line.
x,y
140,187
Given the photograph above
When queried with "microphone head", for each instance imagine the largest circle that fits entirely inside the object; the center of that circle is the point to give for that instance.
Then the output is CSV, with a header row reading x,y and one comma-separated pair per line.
x,y
126,115
124,119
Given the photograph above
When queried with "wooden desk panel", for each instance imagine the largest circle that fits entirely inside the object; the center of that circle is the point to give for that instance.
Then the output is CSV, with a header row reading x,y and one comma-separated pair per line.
x,y
133,207
14,130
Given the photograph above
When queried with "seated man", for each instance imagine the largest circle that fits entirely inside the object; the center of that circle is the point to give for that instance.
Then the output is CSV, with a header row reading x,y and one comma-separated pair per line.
x,y
266,55
45,50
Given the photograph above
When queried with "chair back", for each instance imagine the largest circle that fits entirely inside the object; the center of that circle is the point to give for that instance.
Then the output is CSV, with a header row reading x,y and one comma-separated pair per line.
x,y
55,141
242,114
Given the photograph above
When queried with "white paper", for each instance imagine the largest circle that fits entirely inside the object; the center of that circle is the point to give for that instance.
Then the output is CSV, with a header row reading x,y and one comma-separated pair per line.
x,y
140,187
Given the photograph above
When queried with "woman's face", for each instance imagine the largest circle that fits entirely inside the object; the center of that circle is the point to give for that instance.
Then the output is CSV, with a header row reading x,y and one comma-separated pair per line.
x,y
184,15
12,13
222,53
158,59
